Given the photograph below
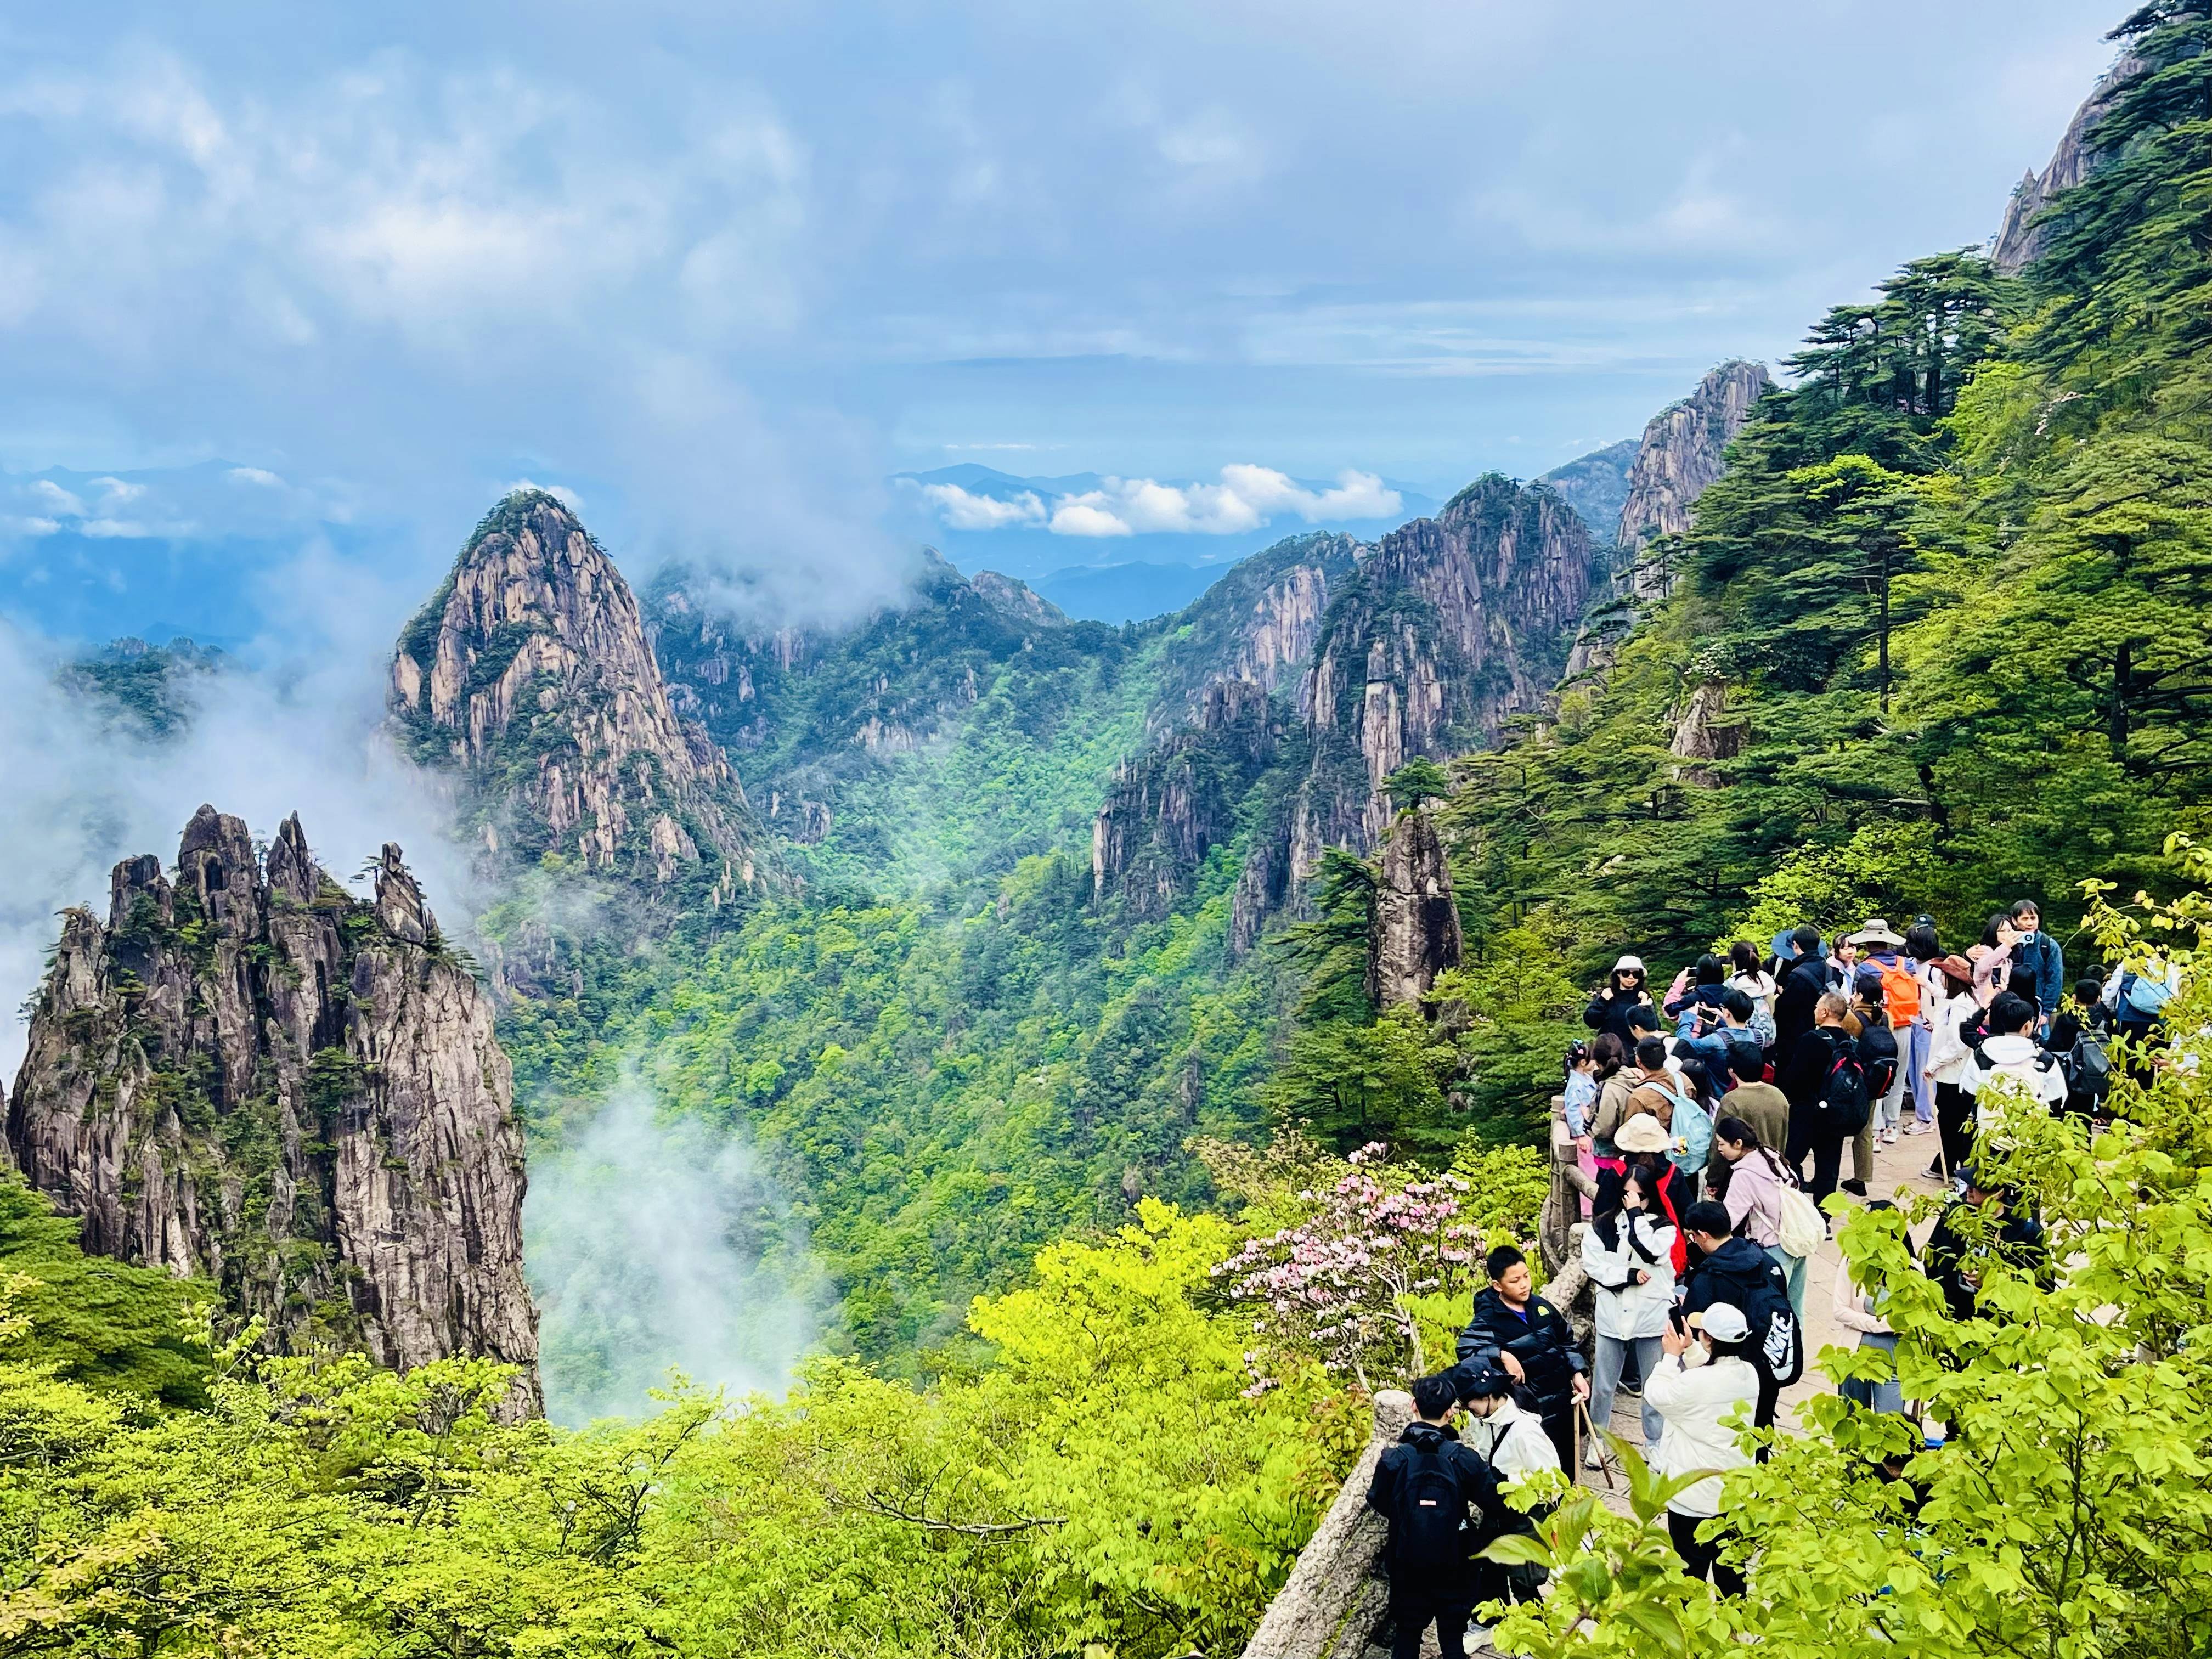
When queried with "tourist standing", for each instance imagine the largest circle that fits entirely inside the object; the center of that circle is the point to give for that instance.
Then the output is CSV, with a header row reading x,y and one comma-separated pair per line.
x,y
1739,1272
1623,989
1755,983
1957,1027
2038,963
1858,1310
1758,1185
1520,1332
1697,1405
1827,1088
1803,982
1628,1251
1441,1502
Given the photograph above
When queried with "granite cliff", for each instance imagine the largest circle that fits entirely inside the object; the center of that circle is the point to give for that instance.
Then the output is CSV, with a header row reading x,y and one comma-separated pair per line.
x,y
529,676
2019,239
1450,626
1417,932
247,1073
1683,449
1256,625
1172,805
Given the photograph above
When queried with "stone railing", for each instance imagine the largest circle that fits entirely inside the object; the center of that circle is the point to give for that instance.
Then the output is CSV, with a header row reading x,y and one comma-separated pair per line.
x,y
1333,1599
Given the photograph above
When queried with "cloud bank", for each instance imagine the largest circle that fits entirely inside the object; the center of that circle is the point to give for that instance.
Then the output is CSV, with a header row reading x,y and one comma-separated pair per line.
x,y
1246,498
656,1244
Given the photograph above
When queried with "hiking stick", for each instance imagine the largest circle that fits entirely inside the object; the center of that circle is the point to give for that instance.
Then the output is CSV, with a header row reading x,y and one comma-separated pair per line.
x,y
1582,1419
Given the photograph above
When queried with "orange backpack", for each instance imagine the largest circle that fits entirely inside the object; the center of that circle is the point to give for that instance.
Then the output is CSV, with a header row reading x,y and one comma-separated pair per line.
x,y
1900,994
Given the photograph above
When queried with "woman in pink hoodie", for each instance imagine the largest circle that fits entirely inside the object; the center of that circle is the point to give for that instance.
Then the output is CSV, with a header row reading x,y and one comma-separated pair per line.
x,y
1756,1184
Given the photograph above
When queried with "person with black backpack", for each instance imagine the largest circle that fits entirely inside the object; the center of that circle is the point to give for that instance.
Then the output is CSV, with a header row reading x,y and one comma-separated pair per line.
x,y
1881,1057
1735,1270
1828,1099
1442,1504
2081,1038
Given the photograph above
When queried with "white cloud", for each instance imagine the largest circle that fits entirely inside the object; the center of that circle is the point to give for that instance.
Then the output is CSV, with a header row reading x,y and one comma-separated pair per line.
x,y
1246,498
963,511
57,501
1079,518
114,492
254,475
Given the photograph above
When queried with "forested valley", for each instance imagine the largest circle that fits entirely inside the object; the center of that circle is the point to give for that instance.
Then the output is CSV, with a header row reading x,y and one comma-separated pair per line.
x,y
1045,966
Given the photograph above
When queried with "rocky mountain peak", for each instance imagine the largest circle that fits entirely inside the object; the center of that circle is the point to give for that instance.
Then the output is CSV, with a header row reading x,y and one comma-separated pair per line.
x,y
1450,625
247,1074
1683,450
2019,239
530,673
1256,626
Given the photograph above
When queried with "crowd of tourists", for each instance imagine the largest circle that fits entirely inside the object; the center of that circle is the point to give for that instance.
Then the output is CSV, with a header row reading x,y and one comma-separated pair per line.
x,y
1710,1121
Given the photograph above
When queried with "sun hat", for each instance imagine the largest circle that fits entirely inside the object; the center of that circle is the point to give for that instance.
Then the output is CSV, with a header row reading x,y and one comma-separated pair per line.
x,y
1723,1321
1956,967
1641,1133
1876,931
1629,965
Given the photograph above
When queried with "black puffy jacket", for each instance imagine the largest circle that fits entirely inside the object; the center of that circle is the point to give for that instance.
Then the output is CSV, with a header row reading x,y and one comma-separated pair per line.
x,y
1539,1337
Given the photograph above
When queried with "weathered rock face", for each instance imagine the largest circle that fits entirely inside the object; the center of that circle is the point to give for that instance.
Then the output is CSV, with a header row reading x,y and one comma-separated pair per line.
x,y
1450,625
248,1073
530,674
2019,240
1257,624
1417,932
1169,807
1707,731
1682,452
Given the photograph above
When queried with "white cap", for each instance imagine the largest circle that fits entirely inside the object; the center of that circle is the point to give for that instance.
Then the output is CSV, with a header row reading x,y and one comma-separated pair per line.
x,y
1629,965
1723,1321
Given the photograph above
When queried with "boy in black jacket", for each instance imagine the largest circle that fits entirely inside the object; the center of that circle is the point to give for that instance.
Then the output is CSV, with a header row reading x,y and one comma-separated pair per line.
x,y
1441,1502
1529,1340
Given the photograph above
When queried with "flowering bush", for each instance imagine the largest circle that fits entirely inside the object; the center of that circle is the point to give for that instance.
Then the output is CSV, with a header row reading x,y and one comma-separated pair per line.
x,y
1335,1285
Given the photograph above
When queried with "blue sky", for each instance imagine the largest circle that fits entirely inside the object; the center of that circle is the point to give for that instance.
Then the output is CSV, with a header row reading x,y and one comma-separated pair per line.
x,y
721,271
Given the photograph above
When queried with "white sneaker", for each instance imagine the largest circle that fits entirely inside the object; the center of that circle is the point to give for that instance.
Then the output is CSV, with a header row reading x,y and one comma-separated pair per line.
x,y
1916,1128
1593,1456
1888,1137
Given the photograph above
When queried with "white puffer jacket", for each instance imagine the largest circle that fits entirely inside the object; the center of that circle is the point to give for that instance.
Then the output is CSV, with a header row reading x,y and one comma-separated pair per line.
x,y
1947,1054
1693,1403
1626,1309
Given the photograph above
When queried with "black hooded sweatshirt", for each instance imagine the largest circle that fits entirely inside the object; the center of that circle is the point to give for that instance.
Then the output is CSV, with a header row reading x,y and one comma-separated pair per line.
x,y
1488,1515
1802,985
